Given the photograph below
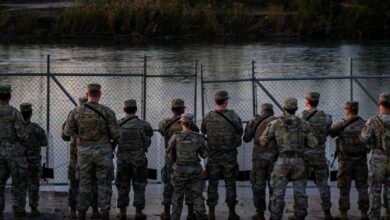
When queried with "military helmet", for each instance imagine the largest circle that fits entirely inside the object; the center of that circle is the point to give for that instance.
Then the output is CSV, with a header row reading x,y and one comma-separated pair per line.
x,y
187,117
221,95
290,103
25,107
5,89
384,97
177,103
130,103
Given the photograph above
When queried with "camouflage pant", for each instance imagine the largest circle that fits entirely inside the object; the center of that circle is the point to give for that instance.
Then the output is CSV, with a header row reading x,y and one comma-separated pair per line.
x,y
95,163
34,173
285,169
349,170
260,175
378,175
15,167
74,186
316,164
137,175
181,183
166,173
216,169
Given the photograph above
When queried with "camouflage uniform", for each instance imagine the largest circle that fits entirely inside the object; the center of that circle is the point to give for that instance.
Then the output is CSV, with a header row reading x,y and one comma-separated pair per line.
x,y
352,160
36,139
223,140
263,157
168,127
73,190
12,155
95,151
315,159
183,153
132,164
292,136
376,133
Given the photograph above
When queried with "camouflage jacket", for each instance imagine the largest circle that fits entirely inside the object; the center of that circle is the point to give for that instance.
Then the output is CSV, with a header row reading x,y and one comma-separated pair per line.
x,y
12,131
90,127
169,126
36,139
184,150
321,124
253,130
292,135
376,136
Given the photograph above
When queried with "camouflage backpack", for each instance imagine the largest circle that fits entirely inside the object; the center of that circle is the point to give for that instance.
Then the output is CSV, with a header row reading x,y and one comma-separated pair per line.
x,y
348,140
91,126
289,134
222,133
132,137
6,123
186,148
383,135
319,124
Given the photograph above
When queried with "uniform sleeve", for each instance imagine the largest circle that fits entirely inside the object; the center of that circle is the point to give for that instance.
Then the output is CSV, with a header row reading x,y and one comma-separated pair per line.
x,y
19,126
171,152
329,122
204,150
268,134
161,127
367,135
335,129
148,130
249,131
113,125
310,139
42,137
70,128
240,128
203,127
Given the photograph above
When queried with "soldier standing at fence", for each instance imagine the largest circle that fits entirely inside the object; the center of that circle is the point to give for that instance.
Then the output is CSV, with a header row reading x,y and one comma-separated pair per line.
x,y
293,137
96,126
132,164
352,154
74,179
36,139
12,156
168,127
263,158
184,150
376,133
315,159
223,128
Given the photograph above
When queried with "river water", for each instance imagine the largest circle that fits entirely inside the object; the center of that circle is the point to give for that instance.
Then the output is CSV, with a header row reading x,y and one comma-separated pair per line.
x,y
220,61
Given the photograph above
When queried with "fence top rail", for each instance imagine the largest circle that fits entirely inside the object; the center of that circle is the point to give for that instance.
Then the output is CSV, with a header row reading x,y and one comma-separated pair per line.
x,y
170,75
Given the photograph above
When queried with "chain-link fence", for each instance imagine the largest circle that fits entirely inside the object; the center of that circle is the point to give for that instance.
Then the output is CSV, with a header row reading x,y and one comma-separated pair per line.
x,y
53,90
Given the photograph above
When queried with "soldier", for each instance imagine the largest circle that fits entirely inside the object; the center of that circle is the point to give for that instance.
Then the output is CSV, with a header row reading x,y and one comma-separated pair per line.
x,y
352,155
74,180
12,157
96,128
376,134
36,139
223,128
132,164
293,136
168,127
315,159
263,158
184,150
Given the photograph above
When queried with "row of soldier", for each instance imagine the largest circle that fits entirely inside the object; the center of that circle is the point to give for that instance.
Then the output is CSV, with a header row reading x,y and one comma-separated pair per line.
x,y
286,149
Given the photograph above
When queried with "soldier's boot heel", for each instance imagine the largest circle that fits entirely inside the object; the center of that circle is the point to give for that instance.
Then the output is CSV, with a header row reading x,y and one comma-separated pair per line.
x,y
122,213
343,215
105,215
327,215
1,216
72,213
96,213
139,215
166,215
258,216
296,217
211,214
34,212
363,216
232,214
387,215
191,213
82,216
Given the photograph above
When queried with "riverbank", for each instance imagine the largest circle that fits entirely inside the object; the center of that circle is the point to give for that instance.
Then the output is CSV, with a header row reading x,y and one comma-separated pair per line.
x,y
183,20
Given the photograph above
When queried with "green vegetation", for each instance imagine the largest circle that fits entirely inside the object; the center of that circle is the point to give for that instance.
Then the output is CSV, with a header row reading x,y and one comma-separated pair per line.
x,y
205,19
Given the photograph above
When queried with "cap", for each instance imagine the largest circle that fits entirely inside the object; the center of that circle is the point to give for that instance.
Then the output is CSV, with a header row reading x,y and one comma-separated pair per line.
x,y
6,88
352,105
83,100
25,107
94,87
290,103
178,103
130,103
267,106
312,96
221,95
384,97
187,117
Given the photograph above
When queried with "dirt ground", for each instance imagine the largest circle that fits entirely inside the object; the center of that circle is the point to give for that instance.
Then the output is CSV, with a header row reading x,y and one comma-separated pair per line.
x,y
53,203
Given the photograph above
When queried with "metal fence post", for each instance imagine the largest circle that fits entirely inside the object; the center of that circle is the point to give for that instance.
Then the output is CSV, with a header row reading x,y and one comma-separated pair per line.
x,y
196,90
202,88
48,106
254,92
351,76
144,89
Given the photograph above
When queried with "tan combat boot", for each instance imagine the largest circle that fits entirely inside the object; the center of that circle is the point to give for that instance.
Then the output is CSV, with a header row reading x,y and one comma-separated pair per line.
x,y
363,216
232,213
191,213
258,216
72,213
82,216
95,213
327,215
166,215
34,212
139,215
387,215
211,214
122,213
343,215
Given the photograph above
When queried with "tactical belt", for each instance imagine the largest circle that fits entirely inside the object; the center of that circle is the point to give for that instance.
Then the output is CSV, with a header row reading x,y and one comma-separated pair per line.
x,y
354,154
290,154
